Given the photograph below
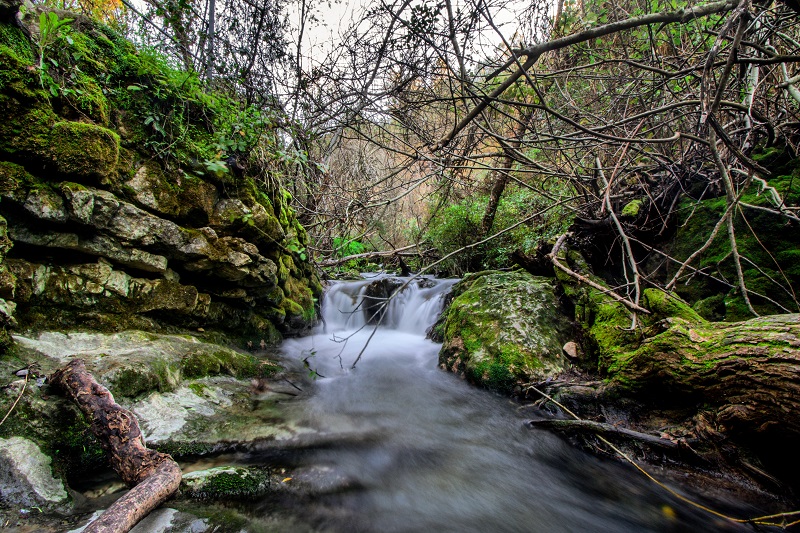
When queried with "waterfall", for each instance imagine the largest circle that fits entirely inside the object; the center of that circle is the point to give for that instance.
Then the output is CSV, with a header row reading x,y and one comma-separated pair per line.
x,y
401,303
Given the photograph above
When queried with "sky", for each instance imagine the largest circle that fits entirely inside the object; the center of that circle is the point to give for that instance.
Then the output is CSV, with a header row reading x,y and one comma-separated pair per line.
x,y
335,17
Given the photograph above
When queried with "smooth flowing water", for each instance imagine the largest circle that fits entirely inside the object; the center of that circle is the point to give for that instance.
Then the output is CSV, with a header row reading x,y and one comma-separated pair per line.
x,y
413,448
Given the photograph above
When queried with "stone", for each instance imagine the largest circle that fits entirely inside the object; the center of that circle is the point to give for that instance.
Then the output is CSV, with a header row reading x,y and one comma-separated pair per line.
x,y
228,483
26,479
80,149
572,350
504,329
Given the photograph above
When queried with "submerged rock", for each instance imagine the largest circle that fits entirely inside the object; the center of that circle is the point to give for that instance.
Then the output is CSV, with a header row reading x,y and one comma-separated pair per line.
x,y
503,329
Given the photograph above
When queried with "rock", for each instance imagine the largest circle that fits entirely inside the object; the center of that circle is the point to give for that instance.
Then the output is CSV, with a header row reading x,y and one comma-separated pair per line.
x,y
9,9
134,362
503,329
228,483
81,149
376,296
97,245
181,197
191,397
572,350
26,479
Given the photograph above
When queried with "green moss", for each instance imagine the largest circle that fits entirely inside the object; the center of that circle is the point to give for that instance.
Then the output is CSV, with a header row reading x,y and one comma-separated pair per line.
x,y
664,305
240,365
774,249
26,129
632,208
84,149
711,308
90,100
198,388
17,42
17,79
227,483
157,375
185,449
13,176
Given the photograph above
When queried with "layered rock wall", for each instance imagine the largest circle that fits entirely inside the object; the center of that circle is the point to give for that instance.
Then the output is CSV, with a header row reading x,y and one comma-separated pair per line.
x,y
100,232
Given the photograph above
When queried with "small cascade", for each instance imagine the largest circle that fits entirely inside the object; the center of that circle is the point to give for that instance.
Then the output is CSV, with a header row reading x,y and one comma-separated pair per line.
x,y
401,303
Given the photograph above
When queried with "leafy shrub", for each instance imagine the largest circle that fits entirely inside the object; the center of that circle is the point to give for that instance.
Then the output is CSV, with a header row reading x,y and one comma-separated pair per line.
x,y
458,225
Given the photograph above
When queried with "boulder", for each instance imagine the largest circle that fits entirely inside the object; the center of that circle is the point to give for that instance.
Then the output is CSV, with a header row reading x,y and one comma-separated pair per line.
x,y
26,479
81,149
503,329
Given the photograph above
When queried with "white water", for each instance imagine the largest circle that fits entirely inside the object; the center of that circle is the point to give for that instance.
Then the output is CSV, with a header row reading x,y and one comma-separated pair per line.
x,y
412,448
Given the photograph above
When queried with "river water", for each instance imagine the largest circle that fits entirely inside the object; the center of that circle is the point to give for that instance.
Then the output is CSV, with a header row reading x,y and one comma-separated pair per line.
x,y
412,448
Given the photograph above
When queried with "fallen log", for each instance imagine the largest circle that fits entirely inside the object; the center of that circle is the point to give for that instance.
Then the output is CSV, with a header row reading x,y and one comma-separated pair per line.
x,y
153,476
748,372
399,252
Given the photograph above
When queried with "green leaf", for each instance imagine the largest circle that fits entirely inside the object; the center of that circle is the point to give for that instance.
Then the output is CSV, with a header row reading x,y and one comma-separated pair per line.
x,y
134,88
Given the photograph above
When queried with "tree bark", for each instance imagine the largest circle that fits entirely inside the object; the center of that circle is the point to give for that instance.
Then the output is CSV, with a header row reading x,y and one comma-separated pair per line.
x,y
747,372
501,175
154,476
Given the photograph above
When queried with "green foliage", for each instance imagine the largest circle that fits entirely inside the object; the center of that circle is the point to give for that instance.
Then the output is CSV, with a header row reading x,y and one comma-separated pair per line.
x,y
342,247
51,28
457,225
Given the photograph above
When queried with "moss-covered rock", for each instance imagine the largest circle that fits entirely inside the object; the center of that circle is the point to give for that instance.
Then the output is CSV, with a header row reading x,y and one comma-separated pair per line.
x,y
25,134
503,329
112,162
767,242
228,483
80,149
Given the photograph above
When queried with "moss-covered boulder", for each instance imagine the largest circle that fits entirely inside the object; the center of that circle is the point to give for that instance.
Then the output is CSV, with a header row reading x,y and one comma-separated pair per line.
x,y
503,329
82,149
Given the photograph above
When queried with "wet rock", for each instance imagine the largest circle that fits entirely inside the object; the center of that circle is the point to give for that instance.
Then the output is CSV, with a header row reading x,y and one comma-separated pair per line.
x,y
182,197
503,329
376,295
26,480
135,362
191,397
228,483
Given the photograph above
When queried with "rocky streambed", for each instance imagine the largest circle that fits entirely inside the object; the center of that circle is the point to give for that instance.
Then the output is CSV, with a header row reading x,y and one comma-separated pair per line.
x,y
299,439
193,399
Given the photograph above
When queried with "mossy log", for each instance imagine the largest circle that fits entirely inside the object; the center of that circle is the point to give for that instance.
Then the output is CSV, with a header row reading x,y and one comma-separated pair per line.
x,y
748,372
154,476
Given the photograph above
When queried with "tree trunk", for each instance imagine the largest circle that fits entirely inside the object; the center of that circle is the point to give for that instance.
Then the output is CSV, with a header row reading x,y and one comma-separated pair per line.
x,y
748,372
501,174
154,476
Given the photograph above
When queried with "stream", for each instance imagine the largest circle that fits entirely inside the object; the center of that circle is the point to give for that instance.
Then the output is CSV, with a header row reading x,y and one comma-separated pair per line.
x,y
412,448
